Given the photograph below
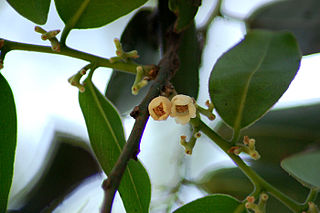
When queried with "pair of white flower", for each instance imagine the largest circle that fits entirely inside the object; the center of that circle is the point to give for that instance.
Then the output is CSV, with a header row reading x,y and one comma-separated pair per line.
x,y
181,107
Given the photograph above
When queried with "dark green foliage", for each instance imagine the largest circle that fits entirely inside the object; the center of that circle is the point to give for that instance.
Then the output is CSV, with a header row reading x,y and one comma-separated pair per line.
x,y
185,10
299,17
8,140
87,13
34,10
186,80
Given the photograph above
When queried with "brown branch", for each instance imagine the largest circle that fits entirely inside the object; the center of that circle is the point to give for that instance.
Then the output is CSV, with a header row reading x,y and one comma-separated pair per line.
x,y
167,68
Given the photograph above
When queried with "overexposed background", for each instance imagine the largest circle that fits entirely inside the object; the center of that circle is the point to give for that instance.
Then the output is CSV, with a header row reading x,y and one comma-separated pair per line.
x,y
46,102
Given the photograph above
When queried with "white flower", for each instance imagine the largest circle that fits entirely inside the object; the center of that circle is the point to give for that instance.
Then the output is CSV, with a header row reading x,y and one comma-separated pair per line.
x,y
159,108
183,108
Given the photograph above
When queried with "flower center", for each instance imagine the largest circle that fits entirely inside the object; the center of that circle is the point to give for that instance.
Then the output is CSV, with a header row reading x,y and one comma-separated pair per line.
x,y
159,110
182,109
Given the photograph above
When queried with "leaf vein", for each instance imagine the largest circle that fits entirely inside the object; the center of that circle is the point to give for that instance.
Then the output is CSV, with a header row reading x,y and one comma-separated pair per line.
x,y
237,122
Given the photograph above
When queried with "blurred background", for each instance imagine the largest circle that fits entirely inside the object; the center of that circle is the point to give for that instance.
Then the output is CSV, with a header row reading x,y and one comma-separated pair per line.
x,y
54,167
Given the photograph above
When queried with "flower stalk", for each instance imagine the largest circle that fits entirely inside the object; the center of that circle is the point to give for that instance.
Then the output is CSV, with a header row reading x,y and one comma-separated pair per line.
x,y
247,147
75,79
139,81
51,36
129,67
207,112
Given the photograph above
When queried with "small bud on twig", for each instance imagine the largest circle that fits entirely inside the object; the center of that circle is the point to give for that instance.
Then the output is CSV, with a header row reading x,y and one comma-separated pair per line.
x,y
248,147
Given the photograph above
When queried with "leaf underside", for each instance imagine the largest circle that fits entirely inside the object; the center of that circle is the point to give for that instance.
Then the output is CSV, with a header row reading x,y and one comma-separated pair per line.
x,y
305,168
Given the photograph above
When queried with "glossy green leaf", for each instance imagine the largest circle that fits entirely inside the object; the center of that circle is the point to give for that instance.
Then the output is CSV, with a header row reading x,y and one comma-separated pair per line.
x,y
186,79
218,203
251,77
94,13
299,17
34,10
138,35
8,140
305,168
185,11
107,140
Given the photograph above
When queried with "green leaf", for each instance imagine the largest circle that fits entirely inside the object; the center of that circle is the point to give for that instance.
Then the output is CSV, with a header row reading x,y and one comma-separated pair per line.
x,y
81,14
107,140
185,11
34,10
217,203
299,17
251,77
305,168
186,80
8,140
138,35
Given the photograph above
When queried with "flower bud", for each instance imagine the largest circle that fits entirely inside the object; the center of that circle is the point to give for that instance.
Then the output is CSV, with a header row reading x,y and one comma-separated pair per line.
x,y
183,108
159,108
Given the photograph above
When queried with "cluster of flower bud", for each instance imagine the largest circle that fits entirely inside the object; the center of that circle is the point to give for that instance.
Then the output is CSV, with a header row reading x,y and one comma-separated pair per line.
x,y
260,207
312,208
75,79
121,54
51,36
181,107
248,147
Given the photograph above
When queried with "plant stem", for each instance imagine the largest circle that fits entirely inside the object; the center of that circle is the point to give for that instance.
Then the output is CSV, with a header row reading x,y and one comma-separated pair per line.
x,y
129,67
235,136
72,22
311,196
167,67
257,180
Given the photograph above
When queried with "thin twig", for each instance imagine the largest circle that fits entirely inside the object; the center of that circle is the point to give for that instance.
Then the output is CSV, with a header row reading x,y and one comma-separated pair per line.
x,y
257,180
129,67
167,67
